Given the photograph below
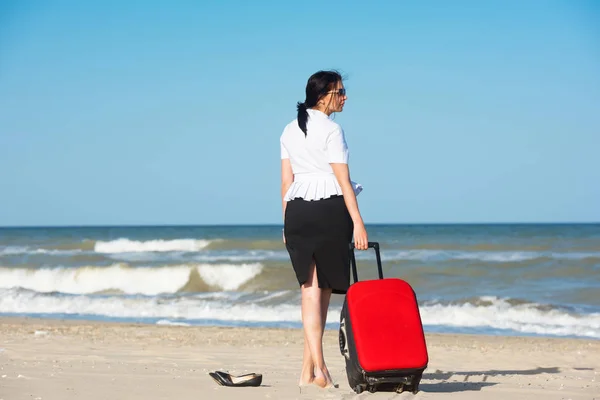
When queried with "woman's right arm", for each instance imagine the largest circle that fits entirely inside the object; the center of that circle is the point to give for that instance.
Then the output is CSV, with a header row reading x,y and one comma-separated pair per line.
x,y
287,178
342,174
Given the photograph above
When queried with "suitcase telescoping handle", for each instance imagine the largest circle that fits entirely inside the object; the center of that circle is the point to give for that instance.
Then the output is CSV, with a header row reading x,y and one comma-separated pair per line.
x,y
375,246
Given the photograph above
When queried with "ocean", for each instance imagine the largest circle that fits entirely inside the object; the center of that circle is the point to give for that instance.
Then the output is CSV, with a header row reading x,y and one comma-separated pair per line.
x,y
511,279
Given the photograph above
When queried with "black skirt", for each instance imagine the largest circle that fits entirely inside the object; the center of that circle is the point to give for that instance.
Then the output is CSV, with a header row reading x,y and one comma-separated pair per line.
x,y
320,230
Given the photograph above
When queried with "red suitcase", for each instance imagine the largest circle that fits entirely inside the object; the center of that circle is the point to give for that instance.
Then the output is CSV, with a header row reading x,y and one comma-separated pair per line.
x,y
381,334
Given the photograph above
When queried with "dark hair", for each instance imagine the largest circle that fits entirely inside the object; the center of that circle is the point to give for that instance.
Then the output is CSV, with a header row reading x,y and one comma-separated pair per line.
x,y
317,86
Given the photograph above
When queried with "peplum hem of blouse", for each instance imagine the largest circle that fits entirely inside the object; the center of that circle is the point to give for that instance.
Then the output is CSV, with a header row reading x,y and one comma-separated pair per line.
x,y
317,187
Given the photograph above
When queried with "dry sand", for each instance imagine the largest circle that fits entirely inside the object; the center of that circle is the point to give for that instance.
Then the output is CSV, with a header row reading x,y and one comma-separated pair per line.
x,y
43,359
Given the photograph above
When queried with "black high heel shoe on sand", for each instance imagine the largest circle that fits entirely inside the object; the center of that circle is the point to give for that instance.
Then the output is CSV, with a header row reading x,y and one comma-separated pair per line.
x,y
225,379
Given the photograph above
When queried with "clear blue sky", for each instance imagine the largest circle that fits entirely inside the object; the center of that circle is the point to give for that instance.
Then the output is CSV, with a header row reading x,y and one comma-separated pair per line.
x,y
145,112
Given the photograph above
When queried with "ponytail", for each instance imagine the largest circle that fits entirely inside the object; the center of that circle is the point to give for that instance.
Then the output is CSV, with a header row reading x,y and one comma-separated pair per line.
x,y
302,116
317,86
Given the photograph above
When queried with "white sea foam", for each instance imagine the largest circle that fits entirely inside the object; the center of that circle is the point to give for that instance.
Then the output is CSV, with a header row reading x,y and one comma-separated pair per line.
x,y
269,296
205,256
129,280
500,256
228,276
171,323
575,256
500,314
180,309
494,313
13,250
18,250
243,255
124,245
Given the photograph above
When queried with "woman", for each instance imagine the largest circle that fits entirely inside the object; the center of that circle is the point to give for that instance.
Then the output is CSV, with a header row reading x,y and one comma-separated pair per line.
x,y
320,211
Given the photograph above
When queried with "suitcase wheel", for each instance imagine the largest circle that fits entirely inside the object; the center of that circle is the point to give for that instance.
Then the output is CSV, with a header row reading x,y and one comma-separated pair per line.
x,y
358,389
415,388
372,389
415,383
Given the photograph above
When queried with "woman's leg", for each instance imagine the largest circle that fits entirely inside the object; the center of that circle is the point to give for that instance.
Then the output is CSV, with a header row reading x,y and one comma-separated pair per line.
x,y
315,302
308,367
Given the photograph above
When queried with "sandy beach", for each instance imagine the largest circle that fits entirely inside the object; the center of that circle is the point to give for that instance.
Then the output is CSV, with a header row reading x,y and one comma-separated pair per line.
x,y
53,359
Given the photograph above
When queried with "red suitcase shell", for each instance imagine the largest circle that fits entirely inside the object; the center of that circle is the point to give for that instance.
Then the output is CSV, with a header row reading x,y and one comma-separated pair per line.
x,y
381,334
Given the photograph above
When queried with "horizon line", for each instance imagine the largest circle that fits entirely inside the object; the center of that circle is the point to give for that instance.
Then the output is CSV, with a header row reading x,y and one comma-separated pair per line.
x,y
281,224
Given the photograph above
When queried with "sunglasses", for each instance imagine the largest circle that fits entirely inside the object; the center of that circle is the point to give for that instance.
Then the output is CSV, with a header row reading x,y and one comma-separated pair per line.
x,y
341,92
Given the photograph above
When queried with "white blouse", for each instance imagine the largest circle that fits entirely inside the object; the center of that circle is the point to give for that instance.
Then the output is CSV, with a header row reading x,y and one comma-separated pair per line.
x,y
310,156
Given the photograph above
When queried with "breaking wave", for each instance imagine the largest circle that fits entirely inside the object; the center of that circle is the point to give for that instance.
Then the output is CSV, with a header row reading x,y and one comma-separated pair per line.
x,y
130,280
486,314
491,312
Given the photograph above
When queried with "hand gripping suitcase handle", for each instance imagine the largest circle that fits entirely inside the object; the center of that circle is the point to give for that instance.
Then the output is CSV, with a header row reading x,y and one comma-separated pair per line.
x,y
375,246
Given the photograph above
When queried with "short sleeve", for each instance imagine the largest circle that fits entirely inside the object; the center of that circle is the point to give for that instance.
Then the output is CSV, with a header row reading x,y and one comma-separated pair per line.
x,y
284,152
337,149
